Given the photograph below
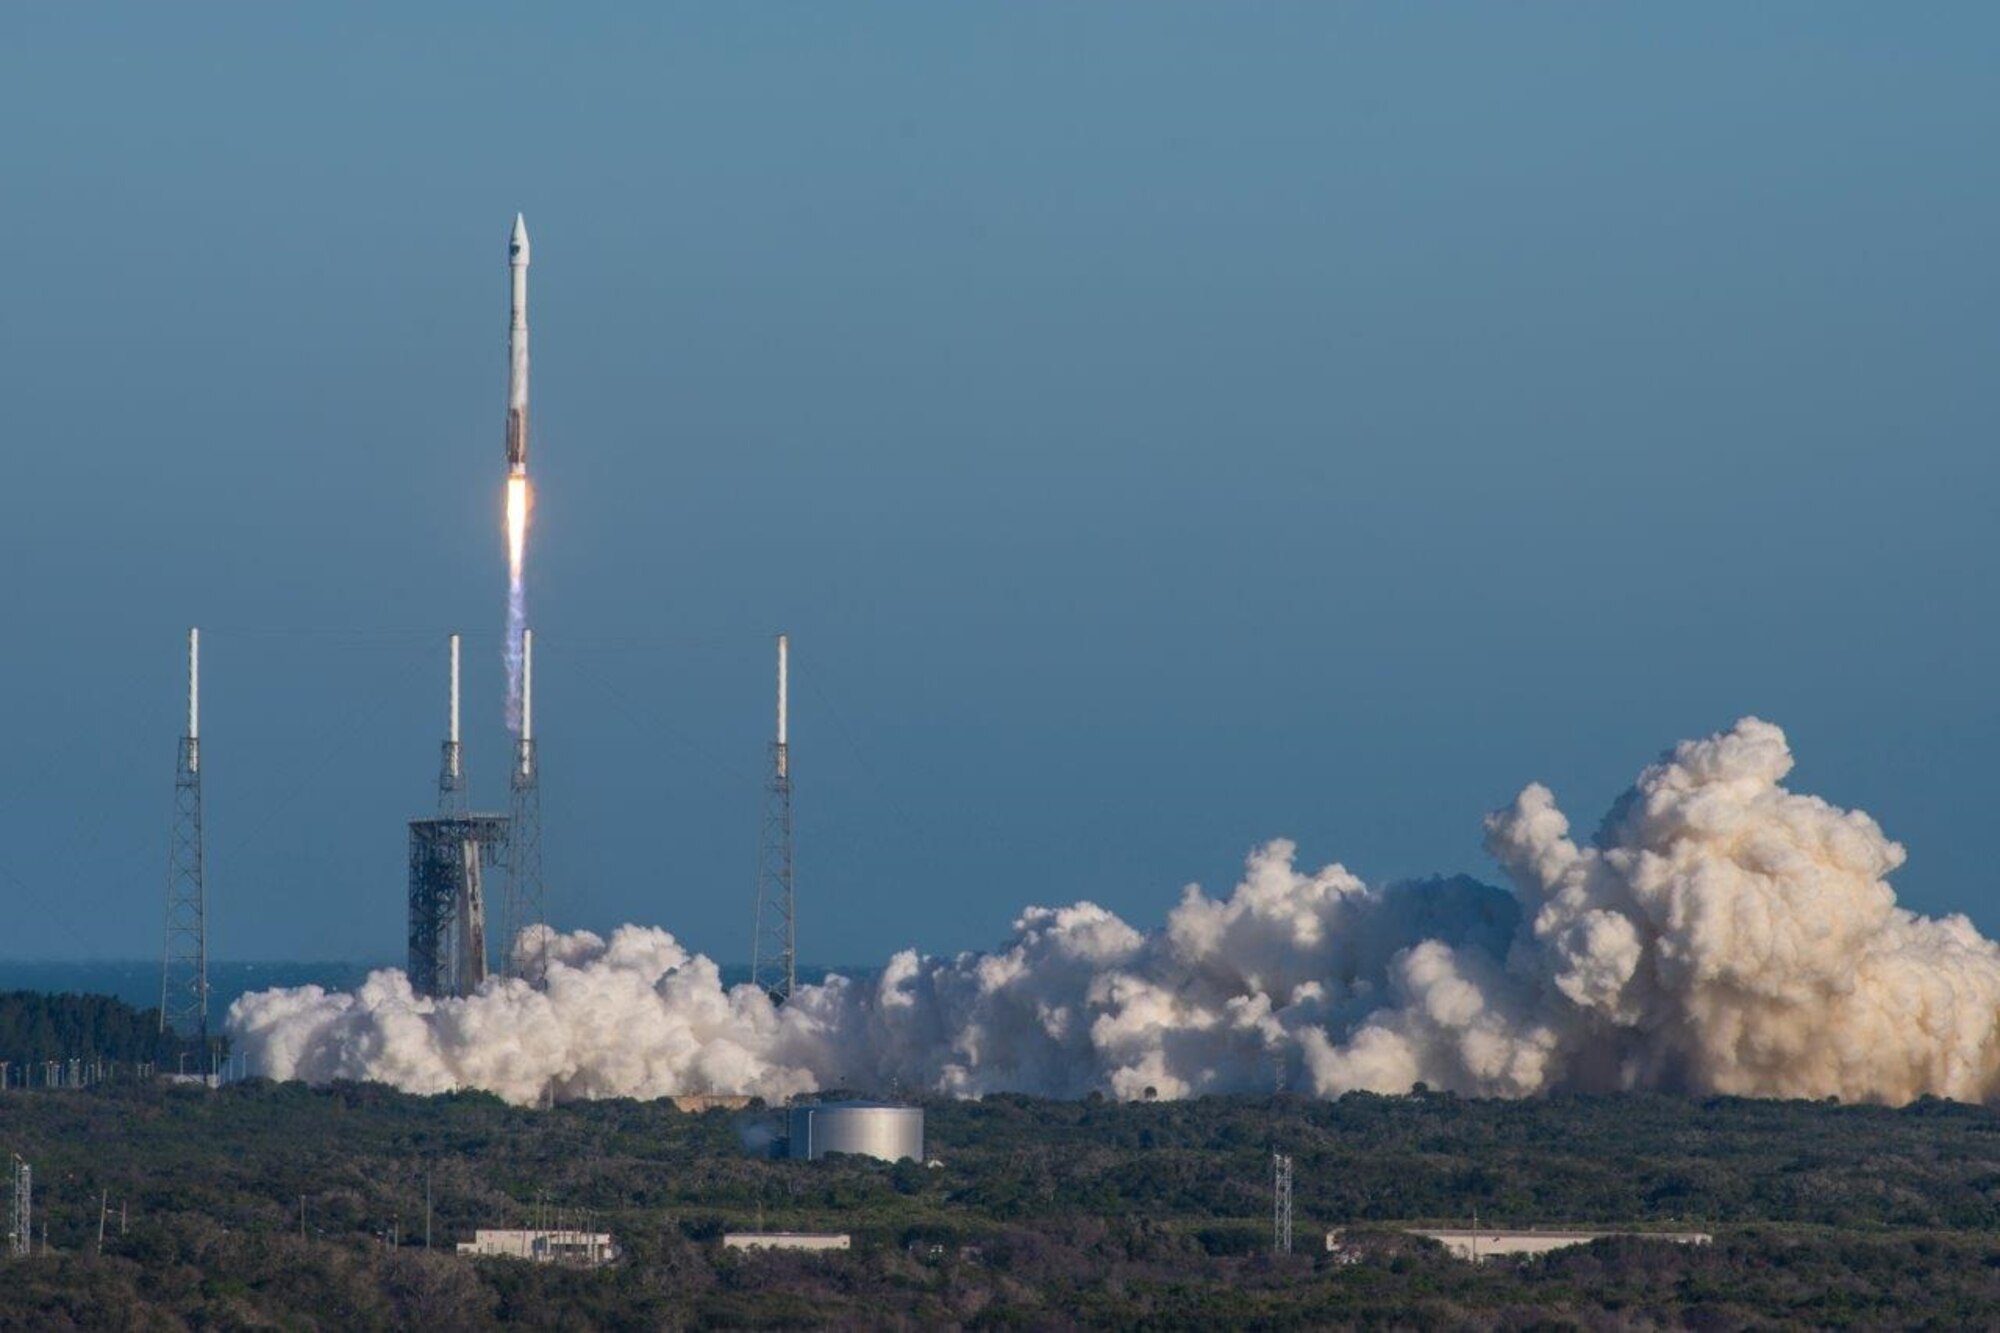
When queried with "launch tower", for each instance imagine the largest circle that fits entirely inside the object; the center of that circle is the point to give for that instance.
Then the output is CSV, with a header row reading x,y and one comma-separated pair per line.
x,y
448,855
774,948
525,904
447,895
184,974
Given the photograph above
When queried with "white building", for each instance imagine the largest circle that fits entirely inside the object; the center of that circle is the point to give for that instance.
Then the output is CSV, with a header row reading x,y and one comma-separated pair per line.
x,y
1478,1245
578,1249
786,1240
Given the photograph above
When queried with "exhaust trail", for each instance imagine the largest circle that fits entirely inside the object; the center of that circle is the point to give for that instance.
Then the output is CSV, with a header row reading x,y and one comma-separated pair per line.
x,y
518,499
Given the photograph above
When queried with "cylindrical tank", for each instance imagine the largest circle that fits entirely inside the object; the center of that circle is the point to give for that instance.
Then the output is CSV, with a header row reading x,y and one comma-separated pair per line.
x,y
872,1129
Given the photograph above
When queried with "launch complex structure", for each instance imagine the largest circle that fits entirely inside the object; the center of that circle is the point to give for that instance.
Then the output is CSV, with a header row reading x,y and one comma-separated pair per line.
x,y
449,854
184,974
451,851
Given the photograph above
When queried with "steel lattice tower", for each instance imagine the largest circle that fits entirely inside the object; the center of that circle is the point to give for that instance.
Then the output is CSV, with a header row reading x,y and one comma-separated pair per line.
x,y
21,1216
526,904
774,946
447,901
1281,1203
184,976
448,855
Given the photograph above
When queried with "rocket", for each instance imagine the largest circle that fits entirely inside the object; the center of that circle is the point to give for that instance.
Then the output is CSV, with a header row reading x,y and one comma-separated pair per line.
x,y
517,353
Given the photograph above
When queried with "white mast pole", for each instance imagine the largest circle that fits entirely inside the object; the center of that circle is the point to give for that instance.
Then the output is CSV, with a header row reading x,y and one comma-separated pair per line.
x,y
527,685
452,734
194,697
784,699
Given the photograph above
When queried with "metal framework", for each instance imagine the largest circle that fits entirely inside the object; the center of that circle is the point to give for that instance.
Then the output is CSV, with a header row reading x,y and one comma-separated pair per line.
x,y
21,1216
774,943
184,973
1281,1203
448,902
526,905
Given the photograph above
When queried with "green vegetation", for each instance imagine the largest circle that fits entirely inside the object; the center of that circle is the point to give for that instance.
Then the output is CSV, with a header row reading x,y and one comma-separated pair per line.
x,y
1045,1214
35,1028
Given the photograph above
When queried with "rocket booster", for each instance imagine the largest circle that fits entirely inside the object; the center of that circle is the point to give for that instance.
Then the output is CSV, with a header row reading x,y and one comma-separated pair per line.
x,y
517,353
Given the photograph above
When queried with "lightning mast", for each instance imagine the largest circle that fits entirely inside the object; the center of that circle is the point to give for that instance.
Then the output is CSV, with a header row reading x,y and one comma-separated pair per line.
x,y
451,770
184,976
526,903
774,946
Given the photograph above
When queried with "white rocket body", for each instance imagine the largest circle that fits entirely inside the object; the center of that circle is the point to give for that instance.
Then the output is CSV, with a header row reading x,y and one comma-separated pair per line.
x,y
517,353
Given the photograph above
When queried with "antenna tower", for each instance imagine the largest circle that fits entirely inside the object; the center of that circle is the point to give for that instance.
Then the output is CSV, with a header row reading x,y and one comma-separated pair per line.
x,y
20,1218
1281,1203
451,770
184,977
774,946
525,905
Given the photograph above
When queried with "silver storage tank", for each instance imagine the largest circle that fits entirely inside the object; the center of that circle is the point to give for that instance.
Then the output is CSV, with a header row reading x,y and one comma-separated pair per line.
x,y
872,1129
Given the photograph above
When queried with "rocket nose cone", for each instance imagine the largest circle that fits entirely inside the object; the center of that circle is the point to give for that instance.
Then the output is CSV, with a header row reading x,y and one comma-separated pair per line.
x,y
517,245
520,228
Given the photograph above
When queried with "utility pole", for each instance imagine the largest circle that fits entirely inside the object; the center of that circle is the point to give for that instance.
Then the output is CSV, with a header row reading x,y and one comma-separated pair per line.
x,y
103,1207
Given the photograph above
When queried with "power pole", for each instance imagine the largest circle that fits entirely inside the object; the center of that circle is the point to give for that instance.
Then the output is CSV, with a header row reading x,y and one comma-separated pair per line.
x,y
1281,1203
20,1218
184,975
774,945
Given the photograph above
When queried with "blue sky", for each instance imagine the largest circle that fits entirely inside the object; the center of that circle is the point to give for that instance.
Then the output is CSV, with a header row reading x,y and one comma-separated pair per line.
x,y
1160,427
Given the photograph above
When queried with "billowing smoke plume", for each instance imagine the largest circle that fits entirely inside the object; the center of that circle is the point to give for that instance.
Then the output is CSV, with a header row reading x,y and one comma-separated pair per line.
x,y
1720,934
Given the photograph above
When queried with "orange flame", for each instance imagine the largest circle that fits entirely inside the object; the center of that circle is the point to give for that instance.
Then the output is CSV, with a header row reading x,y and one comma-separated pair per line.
x,y
517,523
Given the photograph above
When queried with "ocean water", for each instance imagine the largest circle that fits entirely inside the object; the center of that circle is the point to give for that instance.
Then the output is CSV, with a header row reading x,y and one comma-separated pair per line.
x,y
138,982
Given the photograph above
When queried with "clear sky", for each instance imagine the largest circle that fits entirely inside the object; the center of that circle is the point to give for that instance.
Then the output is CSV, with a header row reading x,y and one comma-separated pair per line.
x,y
1161,428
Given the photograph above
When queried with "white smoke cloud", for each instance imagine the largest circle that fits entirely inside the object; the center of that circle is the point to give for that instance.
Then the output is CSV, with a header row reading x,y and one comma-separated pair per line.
x,y
1720,934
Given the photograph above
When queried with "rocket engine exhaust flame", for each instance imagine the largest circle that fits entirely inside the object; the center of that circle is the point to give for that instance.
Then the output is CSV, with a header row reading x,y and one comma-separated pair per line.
x,y
519,500
1720,934
517,524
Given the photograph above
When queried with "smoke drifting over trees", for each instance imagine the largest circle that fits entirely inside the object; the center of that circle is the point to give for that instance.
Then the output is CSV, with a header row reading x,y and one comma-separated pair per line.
x,y
1720,934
